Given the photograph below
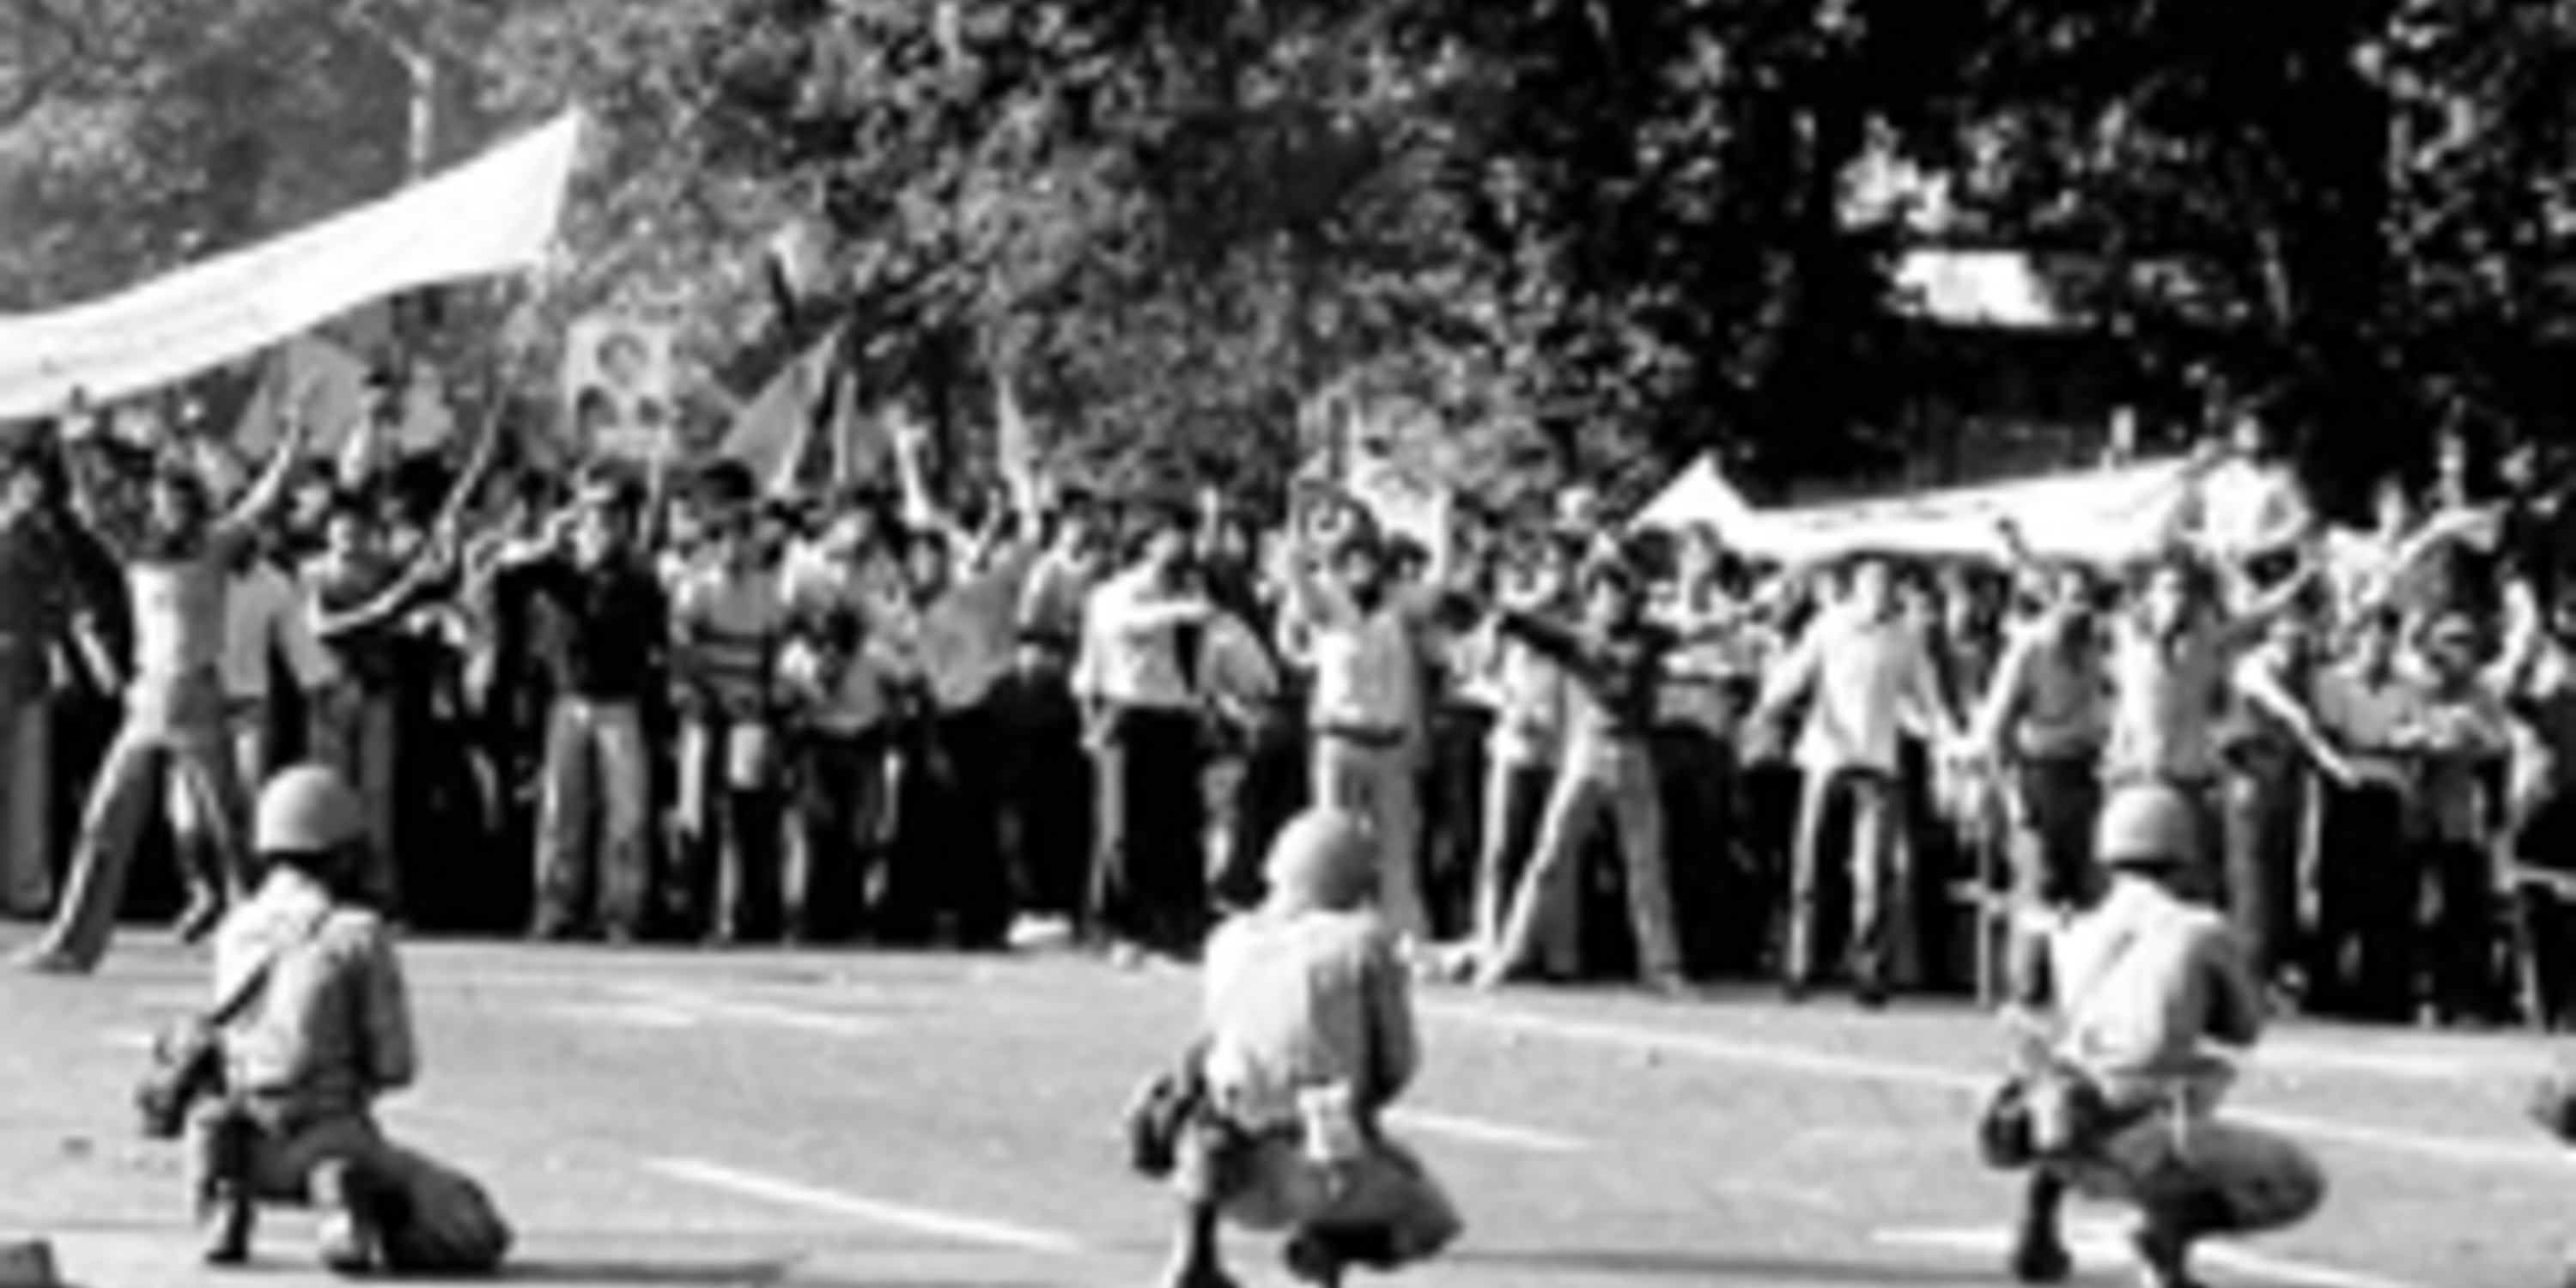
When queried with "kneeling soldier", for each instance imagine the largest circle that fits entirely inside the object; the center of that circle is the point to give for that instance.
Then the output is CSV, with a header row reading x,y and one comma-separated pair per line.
x,y
324,1029
1309,1036
2140,985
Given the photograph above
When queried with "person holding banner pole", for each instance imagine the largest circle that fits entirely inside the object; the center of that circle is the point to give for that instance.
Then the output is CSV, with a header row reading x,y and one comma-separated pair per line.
x,y
179,559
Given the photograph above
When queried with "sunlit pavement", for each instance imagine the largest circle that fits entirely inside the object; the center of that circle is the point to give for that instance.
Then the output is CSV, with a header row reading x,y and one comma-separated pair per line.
x,y
826,1119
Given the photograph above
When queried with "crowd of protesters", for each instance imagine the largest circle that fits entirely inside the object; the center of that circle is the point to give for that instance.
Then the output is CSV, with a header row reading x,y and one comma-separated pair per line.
x,y
656,705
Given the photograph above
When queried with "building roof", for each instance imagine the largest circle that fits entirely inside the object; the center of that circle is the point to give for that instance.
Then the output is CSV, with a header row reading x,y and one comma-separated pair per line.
x,y
1987,288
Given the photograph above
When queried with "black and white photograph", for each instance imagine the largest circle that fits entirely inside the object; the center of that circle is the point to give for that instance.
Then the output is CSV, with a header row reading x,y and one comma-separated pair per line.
x,y
1244,643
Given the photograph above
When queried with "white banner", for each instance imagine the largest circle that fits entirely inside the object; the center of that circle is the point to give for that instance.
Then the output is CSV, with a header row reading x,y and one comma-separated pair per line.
x,y
2105,516
496,214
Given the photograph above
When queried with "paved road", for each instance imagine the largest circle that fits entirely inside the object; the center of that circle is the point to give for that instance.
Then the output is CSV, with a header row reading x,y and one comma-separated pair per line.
x,y
838,1120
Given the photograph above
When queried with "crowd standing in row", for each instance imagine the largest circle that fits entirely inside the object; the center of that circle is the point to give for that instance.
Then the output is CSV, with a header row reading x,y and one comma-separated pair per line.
x,y
682,710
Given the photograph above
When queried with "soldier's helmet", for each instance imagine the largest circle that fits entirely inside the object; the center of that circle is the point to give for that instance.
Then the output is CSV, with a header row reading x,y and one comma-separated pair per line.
x,y
2148,826
308,810
1325,859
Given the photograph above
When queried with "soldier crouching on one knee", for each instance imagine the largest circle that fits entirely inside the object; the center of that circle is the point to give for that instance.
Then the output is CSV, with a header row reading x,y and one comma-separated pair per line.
x,y
1309,1036
2139,987
325,1031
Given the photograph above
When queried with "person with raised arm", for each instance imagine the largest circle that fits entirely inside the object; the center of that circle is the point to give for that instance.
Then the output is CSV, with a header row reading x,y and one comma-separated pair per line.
x,y
2172,659
179,557
1360,640
1613,662
1138,682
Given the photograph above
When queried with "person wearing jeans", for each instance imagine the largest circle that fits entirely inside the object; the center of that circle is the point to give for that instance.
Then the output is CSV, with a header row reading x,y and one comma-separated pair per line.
x,y
2043,722
1521,754
178,571
594,815
1614,667
2279,747
1866,671
1362,648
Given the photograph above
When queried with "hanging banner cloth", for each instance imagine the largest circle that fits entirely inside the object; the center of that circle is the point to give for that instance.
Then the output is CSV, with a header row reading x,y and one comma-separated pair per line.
x,y
493,215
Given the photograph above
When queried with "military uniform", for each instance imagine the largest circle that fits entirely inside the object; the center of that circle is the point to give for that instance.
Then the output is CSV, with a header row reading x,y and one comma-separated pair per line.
x,y
328,1032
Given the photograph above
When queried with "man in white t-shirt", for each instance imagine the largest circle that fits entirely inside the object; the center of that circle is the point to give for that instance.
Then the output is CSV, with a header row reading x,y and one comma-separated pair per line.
x,y
2254,512
1868,674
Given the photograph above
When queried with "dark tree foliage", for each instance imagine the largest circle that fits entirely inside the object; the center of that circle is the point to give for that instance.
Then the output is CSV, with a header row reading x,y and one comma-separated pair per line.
x,y
1570,238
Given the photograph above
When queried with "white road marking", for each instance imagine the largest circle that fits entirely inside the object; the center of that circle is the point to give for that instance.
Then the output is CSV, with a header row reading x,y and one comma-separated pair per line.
x,y
901,1216
641,1015
1484,1131
1773,1055
709,1006
2468,1151
2303,1057
2105,1249
129,1039
2444,1149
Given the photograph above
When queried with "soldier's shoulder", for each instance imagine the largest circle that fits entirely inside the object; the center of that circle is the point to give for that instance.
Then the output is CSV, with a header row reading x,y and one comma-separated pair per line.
x,y
2200,927
354,925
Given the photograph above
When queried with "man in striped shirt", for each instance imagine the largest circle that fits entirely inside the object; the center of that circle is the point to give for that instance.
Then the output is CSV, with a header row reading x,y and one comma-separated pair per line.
x,y
728,622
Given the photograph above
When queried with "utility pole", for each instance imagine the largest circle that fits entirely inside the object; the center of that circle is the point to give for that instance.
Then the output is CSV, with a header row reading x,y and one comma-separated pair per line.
x,y
421,82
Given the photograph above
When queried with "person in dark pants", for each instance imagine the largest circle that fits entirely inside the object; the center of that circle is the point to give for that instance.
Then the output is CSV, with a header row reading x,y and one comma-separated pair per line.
x,y
1150,882
728,624
2360,949
2045,716
950,863
839,707
2537,681
1695,735
1044,793
1046,790
507,678
2278,747
40,596
2457,735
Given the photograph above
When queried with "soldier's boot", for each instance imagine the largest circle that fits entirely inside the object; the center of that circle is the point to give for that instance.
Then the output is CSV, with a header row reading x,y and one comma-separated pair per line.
x,y
2039,1254
2165,1237
1196,1261
1323,1257
228,1220
348,1242
227,1216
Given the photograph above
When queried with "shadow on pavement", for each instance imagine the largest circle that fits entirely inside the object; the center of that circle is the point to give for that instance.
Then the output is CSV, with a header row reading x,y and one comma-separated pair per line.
x,y
1719,1269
